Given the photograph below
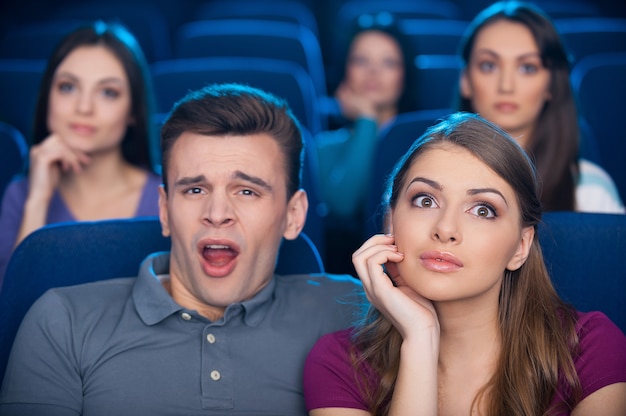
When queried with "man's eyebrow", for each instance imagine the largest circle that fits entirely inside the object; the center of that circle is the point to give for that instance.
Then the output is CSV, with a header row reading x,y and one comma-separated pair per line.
x,y
253,179
190,180
487,190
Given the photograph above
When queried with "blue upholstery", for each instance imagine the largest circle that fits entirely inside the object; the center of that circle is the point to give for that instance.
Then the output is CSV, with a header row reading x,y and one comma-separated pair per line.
x,y
13,154
291,11
175,78
254,38
19,86
586,256
35,40
144,20
73,253
436,80
584,36
599,82
433,36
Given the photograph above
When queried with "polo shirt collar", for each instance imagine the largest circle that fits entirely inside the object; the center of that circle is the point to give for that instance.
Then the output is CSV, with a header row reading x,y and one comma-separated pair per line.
x,y
154,304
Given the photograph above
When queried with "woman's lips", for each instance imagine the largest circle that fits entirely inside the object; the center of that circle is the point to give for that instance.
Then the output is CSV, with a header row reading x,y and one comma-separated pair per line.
x,y
82,129
506,107
440,261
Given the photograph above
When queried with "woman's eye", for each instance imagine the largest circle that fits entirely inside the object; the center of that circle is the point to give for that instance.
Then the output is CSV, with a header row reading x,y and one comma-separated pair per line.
x,y
65,87
424,201
484,211
486,66
359,61
529,68
110,93
391,64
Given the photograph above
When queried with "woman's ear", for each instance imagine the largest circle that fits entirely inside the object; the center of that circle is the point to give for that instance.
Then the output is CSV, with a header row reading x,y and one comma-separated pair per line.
x,y
464,85
523,249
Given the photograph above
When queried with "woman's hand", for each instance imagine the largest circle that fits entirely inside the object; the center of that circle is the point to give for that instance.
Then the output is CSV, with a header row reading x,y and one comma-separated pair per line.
x,y
354,105
48,160
407,310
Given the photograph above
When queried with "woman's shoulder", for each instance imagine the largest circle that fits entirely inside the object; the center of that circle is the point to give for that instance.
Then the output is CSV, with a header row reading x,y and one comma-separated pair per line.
x,y
596,191
601,356
596,324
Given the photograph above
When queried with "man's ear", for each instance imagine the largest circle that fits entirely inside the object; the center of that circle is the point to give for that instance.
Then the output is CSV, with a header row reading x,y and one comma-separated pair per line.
x,y
163,212
297,208
523,249
464,85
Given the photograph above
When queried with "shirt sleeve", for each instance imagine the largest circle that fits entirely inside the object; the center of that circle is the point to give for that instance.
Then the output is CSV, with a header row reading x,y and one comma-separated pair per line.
x,y
602,357
42,375
329,377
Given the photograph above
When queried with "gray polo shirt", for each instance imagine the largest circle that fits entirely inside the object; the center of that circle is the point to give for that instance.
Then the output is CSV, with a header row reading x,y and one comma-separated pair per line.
x,y
124,347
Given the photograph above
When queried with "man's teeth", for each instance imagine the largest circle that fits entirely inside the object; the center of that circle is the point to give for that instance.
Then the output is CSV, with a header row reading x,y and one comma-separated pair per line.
x,y
217,247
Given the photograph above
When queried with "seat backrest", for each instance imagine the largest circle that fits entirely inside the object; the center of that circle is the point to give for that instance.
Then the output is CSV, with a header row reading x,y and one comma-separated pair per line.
x,y
433,36
13,153
174,78
253,38
35,40
584,36
291,11
146,21
586,256
73,253
19,87
599,82
436,80
393,143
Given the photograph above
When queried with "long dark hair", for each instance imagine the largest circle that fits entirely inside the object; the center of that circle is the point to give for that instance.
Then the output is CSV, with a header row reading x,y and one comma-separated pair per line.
x,y
537,328
139,137
554,144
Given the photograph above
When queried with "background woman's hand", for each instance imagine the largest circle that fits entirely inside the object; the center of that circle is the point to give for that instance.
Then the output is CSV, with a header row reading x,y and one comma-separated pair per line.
x,y
409,312
354,105
48,160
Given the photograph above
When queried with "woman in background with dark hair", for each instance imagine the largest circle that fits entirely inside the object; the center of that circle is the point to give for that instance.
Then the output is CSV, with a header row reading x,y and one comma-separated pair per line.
x,y
516,75
90,156
375,88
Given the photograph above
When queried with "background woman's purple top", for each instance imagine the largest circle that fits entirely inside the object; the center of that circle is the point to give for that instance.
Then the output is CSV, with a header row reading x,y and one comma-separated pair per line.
x,y
12,210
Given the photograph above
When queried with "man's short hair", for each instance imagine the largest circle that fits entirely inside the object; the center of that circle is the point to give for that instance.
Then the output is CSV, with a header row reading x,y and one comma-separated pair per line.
x,y
234,109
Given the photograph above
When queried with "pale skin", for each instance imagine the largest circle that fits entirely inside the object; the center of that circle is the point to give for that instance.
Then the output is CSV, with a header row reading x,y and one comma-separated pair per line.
x,y
226,210
374,78
505,78
445,304
89,112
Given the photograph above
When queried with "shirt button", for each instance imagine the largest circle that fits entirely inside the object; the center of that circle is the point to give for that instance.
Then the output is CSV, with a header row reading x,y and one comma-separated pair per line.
x,y
210,338
185,316
215,375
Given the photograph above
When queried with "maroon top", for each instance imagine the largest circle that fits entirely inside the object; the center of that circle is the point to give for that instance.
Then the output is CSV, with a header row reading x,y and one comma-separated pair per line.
x,y
329,378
